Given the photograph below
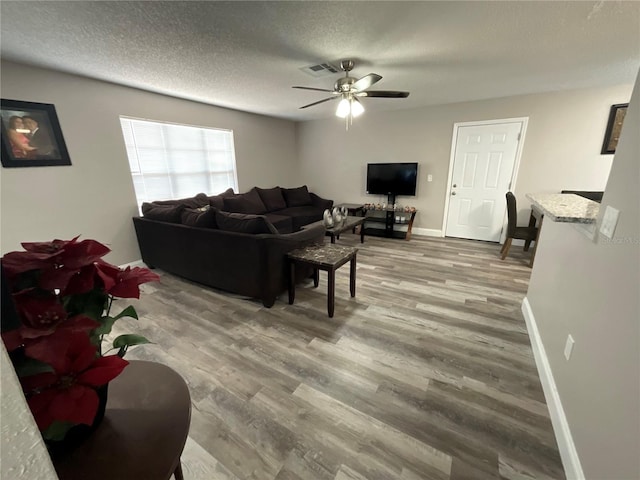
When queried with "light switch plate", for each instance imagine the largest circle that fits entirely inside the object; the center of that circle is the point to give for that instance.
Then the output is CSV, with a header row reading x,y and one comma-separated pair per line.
x,y
609,221
429,178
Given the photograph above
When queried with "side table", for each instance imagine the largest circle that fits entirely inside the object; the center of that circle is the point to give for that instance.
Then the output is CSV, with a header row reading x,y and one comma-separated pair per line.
x,y
323,257
144,430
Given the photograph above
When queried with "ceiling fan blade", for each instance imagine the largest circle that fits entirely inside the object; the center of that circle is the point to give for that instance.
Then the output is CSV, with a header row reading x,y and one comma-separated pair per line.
x,y
321,101
312,88
365,82
383,94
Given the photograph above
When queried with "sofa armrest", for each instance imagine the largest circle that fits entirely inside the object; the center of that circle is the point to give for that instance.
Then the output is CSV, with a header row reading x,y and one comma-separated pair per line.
x,y
282,244
275,269
320,202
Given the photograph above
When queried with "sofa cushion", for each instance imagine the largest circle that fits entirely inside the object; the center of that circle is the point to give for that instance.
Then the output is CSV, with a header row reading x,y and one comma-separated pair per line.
x,y
216,201
200,200
301,216
244,223
162,213
283,223
249,202
272,198
203,217
297,197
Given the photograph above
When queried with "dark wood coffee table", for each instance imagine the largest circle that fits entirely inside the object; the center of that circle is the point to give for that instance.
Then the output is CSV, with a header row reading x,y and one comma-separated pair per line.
x,y
144,430
349,223
323,257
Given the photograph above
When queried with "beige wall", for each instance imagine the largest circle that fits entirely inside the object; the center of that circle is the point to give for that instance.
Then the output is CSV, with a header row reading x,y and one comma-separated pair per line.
x,y
94,197
561,150
591,290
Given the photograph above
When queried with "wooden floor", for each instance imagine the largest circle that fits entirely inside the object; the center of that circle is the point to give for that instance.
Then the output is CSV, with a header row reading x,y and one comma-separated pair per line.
x,y
427,373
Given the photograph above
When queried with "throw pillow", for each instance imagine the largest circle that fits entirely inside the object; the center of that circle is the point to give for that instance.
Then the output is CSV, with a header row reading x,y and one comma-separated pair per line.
x,y
249,202
200,200
204,217
216,201
162,213
297,197
243,223
272,198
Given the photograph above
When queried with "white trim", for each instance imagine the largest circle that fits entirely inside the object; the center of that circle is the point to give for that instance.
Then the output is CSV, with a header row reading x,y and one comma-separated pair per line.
x,y
568,452
516,166
427,232
136,263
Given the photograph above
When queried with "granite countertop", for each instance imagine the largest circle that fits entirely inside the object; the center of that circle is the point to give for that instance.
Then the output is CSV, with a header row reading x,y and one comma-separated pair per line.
x,y
565,207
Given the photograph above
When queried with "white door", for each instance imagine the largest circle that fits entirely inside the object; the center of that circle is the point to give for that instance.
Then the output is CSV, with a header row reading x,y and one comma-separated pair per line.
x,y
483,164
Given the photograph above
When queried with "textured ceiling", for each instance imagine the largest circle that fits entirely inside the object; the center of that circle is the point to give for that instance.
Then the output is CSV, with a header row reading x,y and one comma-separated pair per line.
x,y
247,55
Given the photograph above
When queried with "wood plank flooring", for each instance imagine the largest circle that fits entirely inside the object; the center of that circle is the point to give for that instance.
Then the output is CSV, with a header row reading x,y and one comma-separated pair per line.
x,y
426,374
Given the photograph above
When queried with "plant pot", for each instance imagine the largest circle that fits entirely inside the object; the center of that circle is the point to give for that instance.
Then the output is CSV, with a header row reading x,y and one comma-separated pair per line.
x,y
79,433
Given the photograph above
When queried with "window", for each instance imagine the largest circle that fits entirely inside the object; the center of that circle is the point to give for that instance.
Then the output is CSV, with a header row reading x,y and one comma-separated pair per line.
x,y
169,161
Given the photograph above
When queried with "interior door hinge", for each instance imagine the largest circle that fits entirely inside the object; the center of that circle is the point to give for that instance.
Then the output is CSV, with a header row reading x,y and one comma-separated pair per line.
x,y
519,135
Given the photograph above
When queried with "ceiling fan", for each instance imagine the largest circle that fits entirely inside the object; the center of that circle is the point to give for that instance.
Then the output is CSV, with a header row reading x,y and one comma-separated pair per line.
x,y
349,90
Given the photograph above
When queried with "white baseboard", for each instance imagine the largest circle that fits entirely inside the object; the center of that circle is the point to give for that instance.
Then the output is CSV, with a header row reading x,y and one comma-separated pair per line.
x,y
137,263
568,452
428,232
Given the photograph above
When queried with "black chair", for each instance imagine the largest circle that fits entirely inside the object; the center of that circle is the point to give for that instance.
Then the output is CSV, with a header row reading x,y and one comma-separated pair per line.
x,y
528,234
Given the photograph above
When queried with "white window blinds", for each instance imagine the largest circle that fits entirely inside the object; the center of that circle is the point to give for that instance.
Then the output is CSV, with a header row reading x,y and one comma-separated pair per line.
x,y
170,161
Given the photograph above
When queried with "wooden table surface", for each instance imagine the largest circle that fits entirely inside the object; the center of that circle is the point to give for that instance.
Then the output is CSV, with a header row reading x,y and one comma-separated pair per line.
x,y
144,430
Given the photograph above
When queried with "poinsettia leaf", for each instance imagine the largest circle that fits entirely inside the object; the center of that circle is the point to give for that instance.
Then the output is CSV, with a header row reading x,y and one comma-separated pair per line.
x,y
129,281
127,312
29,366
96,340
57,430
91,304
129,340
106,324
102,371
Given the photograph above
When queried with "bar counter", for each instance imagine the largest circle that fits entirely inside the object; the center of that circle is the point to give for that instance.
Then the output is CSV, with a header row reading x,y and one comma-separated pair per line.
x,y
560,207
565,207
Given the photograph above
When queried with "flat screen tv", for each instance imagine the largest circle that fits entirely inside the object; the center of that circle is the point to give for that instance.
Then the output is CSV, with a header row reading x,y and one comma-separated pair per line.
x,y
392,178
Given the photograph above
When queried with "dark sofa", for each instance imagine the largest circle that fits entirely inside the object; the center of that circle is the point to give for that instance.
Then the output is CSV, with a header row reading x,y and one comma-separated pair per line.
x,y
288,209
219,241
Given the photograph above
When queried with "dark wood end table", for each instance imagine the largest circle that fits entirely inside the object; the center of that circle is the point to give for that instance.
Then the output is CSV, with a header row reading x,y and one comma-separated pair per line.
x,y
323,257
144,430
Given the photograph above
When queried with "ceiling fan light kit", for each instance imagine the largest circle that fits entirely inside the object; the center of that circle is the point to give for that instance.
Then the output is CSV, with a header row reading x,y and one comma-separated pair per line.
x,y
349,107
348,89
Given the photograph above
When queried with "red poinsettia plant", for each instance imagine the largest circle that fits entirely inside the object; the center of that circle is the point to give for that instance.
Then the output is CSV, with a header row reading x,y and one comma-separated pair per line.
x,y
63,293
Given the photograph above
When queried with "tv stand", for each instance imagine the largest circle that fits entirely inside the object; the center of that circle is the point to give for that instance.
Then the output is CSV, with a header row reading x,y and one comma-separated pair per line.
x,y
390,218
391,199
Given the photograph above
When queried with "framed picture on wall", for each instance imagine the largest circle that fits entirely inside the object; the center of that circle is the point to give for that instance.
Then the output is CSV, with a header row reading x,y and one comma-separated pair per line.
x,y
31,135
614,127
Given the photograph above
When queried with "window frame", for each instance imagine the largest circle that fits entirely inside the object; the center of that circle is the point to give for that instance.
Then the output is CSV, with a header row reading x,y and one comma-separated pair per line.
x,y
233,173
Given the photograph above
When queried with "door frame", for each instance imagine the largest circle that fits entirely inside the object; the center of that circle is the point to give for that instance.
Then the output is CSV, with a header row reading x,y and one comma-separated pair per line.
x,y
516,165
